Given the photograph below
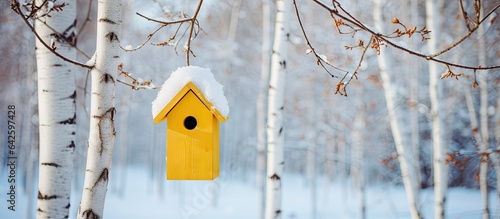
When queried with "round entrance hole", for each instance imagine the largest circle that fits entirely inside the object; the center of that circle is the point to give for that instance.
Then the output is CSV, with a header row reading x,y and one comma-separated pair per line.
x,y
190,122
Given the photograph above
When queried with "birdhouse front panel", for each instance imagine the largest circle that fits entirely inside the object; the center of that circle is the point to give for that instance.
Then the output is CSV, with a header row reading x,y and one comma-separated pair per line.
x,y
192,140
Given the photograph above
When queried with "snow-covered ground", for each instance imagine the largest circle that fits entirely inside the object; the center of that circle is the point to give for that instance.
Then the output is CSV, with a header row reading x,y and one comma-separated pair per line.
x,y
229,197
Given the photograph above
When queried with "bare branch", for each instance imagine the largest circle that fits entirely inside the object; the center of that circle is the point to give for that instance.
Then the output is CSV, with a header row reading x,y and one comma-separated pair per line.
x,y
147,40
87,18
193,22
351,19
192,32
464,14
15,6
319,60
471,31
136,83
60,36
164,22
355,72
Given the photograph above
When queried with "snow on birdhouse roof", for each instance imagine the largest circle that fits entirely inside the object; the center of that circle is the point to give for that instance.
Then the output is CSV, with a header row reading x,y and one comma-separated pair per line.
x,y
204,81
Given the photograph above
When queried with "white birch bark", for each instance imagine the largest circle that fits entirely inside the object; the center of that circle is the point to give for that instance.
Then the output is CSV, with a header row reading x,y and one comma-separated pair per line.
x,y
480,141
414,90
401,142
102,111
435,93
56,106
262,102
483,113
359,155
275,133
495,157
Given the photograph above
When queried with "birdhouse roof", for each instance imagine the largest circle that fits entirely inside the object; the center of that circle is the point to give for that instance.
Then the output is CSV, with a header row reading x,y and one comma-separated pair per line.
x,y
191,78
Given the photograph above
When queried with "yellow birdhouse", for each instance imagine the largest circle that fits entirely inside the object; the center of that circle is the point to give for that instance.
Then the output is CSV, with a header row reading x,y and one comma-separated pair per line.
x,y
192,134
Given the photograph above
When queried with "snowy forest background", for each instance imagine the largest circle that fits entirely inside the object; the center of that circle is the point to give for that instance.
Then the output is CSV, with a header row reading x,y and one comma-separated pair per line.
x,y
320,126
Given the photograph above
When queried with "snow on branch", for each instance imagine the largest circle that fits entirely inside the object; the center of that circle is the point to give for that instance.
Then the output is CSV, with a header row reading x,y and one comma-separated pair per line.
x,y
135,83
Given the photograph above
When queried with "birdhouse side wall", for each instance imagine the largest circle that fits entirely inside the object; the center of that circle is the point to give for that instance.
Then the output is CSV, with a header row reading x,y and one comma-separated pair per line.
x,y
216,147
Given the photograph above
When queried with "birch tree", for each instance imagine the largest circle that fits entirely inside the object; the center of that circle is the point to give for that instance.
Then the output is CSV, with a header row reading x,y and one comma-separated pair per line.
x,y
275,133
483,112
435,93
56,106
102,111
262,100
358,153
480,141
400,140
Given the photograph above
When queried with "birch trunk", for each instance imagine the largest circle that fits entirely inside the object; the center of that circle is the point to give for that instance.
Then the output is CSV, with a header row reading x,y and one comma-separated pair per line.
x,y
483,113
495,158
414,90
401,141
102,130
262,102
435,93
56,106
357,162
275,134
480,141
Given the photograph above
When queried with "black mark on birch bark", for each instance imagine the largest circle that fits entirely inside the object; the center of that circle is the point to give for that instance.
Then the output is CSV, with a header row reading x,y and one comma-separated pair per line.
x,y
275,177
51,164
67,206
39,210
111,36
283,64
57,65
281,130
70,121
107,78
103,177
107,20
72,145
46,197
282,108
111,111
72,96
70,33
89,214
278,212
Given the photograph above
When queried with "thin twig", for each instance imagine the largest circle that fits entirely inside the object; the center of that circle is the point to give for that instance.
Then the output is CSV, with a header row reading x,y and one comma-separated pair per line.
x,y
18,10
320,60
87,19
471,31
147,40
136,83
355,72
138,87
60,36
418,54
193,21
163,22
464,14
192,33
